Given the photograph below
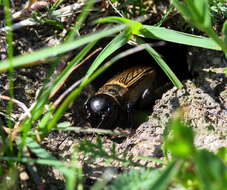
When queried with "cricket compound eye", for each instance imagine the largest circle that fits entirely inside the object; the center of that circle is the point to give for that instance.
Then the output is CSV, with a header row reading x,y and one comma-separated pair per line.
x,y
102,108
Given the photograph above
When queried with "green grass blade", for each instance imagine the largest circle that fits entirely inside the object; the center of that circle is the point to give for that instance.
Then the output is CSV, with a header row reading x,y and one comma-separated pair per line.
x,y
36,112
169,35
74,31
24,60
162,64
115,44
10,50
33,161
113,19
55,163
195,11
166,176
224,31
68,70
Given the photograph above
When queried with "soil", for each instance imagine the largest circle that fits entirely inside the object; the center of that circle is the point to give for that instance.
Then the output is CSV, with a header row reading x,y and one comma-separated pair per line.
x,y
202,100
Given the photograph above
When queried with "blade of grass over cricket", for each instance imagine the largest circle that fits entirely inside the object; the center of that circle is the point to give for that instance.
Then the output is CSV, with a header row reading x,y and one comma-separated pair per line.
x,y
24,60
42,99
100,70
73,33
114,45
69,68
162,64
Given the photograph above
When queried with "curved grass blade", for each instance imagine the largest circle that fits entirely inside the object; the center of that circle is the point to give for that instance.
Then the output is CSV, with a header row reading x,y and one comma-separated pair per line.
x,y
68,70
169,35
29,59
166,176
115,44
74,31
162,64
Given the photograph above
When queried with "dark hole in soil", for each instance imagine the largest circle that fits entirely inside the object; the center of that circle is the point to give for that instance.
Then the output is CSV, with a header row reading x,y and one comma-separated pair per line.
x,y
173,54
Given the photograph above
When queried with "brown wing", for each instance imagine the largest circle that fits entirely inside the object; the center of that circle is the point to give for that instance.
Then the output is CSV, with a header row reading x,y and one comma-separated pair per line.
x,y
130,76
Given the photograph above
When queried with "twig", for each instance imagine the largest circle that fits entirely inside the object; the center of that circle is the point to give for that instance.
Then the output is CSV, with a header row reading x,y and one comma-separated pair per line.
x,y
93,130
63,95
16,128
26,112
20,104
115,9
63,12
21,24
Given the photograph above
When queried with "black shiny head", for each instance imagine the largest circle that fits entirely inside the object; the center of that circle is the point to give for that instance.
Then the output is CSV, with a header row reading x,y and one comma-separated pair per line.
x,y
102,110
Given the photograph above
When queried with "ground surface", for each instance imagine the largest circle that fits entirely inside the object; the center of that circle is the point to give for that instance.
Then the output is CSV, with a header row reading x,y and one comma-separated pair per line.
x,y
203,100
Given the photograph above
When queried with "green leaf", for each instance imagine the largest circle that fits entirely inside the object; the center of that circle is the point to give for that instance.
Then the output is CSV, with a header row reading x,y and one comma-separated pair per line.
x,y
211,171
182,8
133,26
115,44
196,11
200,12
222,153
224,31
135,179
169,35
38,150
55,23
225,70
180,144
146,179
166,176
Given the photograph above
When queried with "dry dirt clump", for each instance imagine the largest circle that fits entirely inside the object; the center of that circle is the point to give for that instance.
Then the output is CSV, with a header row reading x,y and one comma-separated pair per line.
x,y
203,100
